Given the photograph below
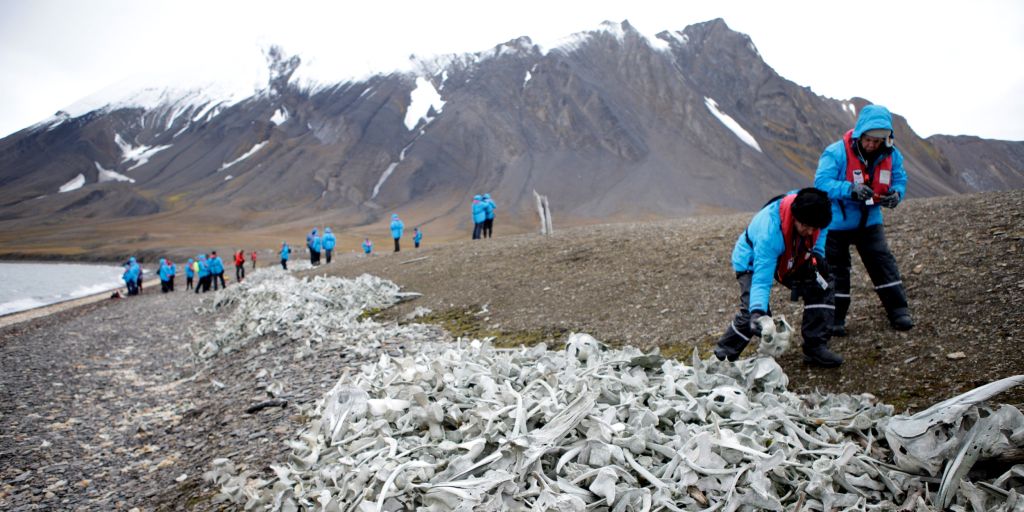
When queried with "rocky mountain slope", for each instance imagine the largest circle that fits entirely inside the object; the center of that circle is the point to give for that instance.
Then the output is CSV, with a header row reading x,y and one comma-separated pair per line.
x,y
610,125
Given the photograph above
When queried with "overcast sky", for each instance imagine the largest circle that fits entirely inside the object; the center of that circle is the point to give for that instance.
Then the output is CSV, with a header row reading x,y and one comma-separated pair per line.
x,y
949,67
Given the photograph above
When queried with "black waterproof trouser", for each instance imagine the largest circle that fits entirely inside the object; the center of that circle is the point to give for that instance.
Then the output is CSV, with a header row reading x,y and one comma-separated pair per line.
x,y
488,228
879,262
328,252
397,247
239,272
478,227
284,264
170,283
815,327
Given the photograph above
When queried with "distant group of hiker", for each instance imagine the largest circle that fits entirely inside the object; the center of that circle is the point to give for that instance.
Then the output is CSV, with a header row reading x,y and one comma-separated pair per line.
x,y
802,240
483,216
200,273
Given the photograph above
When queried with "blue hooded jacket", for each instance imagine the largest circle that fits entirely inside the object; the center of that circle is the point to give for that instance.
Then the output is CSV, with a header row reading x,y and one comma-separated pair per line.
x,y
418,236
479,210
216,265
831,174
396,226
188,268
765,233
204,268
329,240
285,251
172,269
309,238
131,272
489,207
367,246
165,271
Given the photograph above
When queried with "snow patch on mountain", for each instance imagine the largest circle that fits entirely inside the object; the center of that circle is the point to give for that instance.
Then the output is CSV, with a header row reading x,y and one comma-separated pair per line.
x,y
421,99
280,116
247,154
106,175
850,107
389,170
76,183
138,154
617,30
731,124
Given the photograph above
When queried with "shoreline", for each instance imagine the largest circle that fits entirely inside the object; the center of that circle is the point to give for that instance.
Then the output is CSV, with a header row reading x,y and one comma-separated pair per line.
x,y
18,317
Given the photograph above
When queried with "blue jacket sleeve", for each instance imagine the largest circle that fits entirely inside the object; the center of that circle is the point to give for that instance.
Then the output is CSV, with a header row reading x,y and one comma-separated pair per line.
x,y
766,256
899,175
831,174
819,246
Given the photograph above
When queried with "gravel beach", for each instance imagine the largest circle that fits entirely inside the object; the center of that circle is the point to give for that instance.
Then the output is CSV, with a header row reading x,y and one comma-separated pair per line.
x,y
102,406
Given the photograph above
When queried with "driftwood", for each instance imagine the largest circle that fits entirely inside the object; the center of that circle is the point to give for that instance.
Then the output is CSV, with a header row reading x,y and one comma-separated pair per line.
x,y
415,260
275,402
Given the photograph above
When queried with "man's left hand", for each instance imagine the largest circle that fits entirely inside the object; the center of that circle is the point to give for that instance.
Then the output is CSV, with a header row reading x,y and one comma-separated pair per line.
x,y
890,200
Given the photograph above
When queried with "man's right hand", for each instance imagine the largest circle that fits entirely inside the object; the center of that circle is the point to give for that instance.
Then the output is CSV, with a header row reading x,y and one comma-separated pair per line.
x,y
860,192
755,325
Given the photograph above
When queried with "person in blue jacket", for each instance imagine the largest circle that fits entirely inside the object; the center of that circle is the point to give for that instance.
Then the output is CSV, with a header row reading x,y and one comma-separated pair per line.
x,y
329,241
203,274
285,252
165,276
367,247
189,274
396,229
172,270
479,216
130,276
417,237
313,244
216,270
785,242
862,173
489,207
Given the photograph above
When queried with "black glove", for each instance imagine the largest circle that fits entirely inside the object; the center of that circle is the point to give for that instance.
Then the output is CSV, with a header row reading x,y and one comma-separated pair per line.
x,y
861,192
755,325
890,200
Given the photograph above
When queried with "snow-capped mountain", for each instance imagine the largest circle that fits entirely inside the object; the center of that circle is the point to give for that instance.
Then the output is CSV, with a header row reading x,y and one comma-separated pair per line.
x,y
610,124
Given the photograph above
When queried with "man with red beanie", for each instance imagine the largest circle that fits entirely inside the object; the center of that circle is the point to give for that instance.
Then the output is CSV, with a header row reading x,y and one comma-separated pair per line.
x,y
785,242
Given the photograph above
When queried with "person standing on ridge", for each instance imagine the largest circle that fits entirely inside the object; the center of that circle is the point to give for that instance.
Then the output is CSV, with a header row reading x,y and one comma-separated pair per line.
x,y
171,272
489,207
164,273
239,265
285,252
216,270
862,173
314,256
784,241
479,216
189,274
417,237
367,247
329,242
204,274
396,230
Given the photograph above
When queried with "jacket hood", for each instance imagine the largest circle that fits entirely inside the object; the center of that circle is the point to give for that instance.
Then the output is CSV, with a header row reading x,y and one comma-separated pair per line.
x,y
477,197
394,216
327,230
487,196
314,231
872,117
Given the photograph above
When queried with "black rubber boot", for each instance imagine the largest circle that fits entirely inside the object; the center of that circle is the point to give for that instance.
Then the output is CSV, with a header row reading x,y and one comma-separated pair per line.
x,y
818,354
731,344
901,320
839,330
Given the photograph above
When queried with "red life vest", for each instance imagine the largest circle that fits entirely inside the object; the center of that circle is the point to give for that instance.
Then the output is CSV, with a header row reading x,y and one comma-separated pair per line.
x,y
879,180
239,258
798,248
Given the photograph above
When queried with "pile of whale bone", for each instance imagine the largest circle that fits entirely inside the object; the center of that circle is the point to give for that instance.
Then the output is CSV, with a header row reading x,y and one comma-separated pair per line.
x,y
309,311
466,426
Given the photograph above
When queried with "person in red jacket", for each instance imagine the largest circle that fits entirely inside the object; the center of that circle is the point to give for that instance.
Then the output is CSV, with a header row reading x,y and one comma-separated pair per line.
x,y
239,266
252,257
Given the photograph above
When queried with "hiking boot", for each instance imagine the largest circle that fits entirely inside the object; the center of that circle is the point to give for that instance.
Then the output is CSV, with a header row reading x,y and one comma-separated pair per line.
x,y
820,355
838,330
902,322
723,353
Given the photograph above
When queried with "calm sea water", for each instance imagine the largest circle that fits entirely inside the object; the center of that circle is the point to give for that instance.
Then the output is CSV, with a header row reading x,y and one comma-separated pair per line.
x,y
29,285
